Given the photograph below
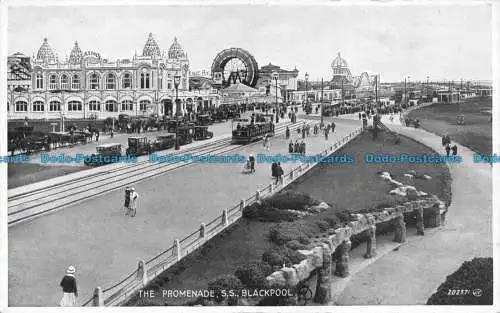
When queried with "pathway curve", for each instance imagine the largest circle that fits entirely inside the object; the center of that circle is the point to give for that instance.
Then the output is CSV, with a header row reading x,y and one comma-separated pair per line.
x,y
412,274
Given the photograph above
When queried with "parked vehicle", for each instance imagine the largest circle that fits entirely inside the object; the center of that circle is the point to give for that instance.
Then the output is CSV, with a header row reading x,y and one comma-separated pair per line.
x,y
164,142
138,146
185,134
106,154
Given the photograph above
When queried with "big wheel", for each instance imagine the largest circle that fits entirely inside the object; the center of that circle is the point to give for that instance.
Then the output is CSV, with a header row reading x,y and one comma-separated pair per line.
x,y
234,65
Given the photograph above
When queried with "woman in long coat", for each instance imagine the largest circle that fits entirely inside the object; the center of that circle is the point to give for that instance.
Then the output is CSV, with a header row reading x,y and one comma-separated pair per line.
x,y
68,284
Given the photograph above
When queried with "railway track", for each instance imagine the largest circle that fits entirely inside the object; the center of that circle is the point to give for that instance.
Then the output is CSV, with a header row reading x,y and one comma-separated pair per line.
x,y
27,205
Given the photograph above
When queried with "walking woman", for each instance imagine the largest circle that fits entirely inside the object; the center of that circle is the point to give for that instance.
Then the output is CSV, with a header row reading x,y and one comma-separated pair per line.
x,y
68,284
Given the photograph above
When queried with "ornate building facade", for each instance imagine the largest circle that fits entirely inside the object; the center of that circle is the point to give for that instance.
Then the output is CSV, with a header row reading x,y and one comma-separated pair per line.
x,y
89,86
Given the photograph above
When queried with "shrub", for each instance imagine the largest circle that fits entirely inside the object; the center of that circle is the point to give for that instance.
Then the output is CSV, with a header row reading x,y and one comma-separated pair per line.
x,y
288,231
472,275
295,245
266,213
224,282
253,275
323,225
290,201
251,211
278,256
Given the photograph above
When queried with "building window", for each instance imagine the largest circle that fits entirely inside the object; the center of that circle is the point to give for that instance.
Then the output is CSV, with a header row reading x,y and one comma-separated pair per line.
x,y
39,80
53,82
94,81
169,85
94,105
74,106
127,81
111,106
38,106
75,82
110,81
64,82
55,106
161,82
145,80
127,105
21,106
143,105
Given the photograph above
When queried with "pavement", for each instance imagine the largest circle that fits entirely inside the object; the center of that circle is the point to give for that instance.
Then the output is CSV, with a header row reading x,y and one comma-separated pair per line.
x,y
105,245
412,273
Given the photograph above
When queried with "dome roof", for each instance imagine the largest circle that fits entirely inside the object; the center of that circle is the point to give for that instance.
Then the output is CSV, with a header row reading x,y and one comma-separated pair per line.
x,y
339,62
151,48
76,54
45,53
175,51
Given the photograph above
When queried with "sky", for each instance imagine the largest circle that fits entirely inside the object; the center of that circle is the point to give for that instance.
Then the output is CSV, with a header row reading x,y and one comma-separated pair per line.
x,y
439,41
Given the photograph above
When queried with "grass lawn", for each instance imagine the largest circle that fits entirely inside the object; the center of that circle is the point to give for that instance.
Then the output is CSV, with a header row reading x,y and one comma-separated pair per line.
x,y
476,134
26,173
355,186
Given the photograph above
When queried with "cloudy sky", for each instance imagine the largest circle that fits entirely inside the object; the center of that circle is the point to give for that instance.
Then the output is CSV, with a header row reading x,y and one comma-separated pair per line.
x,y
443,42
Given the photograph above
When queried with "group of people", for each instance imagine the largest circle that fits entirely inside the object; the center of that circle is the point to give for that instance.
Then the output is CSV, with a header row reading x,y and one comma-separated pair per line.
x,y
446,142
277,171
131,197
297,147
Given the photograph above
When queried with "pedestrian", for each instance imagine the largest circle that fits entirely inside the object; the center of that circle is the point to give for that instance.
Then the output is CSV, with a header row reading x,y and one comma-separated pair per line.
x,y
448,148
287,133
112,133
251,158
359,116
133,202
290,147
274,171
303,147
454,150
315,129
296,146
326,134
268,143
333,127
127,200
280,172
303,132
70,291
96,135
298,130
308,129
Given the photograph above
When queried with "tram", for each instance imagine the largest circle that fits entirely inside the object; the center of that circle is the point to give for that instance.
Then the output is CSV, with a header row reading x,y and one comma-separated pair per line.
x,y
249,129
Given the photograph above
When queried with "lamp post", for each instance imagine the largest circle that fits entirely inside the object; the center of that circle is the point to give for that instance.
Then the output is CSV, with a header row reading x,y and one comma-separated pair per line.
x,y
177,80
321,113
427,89
406,92
307,100
275,77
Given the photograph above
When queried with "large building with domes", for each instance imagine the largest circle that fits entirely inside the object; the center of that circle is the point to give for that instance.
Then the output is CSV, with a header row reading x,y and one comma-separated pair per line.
x,y
86,85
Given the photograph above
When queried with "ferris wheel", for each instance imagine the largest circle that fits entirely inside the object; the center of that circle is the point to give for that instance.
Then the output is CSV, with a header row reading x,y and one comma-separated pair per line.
x,y
234,65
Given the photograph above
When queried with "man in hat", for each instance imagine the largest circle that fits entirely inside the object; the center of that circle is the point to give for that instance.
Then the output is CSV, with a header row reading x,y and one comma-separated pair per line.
x,y
290,147
68,284
251,158
127,200
133,202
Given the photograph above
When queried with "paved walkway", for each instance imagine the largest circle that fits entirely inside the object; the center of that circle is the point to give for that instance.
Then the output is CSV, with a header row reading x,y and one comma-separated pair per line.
x,y
412,274
105,245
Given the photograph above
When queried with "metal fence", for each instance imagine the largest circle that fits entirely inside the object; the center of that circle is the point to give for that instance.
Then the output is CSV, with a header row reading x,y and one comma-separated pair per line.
x,y
121,291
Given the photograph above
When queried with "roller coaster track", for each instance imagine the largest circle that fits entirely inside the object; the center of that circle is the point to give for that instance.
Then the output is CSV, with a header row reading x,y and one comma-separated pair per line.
x,y
30,204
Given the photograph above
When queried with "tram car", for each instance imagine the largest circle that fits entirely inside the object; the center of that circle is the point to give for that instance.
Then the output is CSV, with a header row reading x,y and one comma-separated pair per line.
x,y
203,120
164,142
138,146
202,133
244,130
109,150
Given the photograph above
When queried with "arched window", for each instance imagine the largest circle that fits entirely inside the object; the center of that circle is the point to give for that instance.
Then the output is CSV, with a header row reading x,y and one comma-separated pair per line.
x,y
54,106
38,106
94,81
145,80
53,82
21,106
111,106
64,82
127,105
110,81
39,80
94,105
75,82
74,106
127,81
143,105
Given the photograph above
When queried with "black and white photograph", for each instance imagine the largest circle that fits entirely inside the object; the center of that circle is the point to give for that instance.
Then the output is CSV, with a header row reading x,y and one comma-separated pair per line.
x,y
325,155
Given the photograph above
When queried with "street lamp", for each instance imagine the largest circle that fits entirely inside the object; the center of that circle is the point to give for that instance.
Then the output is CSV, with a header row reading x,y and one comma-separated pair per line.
x,y
177,81
275,77
406,94
307,100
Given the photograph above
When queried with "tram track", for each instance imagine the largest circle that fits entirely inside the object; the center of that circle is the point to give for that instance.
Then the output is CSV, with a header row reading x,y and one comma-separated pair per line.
x,y
40,201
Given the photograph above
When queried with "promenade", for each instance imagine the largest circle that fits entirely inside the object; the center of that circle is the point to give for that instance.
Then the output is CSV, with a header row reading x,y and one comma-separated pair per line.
x,y
410,275
105,245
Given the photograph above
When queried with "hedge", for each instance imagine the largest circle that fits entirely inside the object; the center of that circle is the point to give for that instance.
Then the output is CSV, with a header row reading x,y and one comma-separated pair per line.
x,y
278,256
253,275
